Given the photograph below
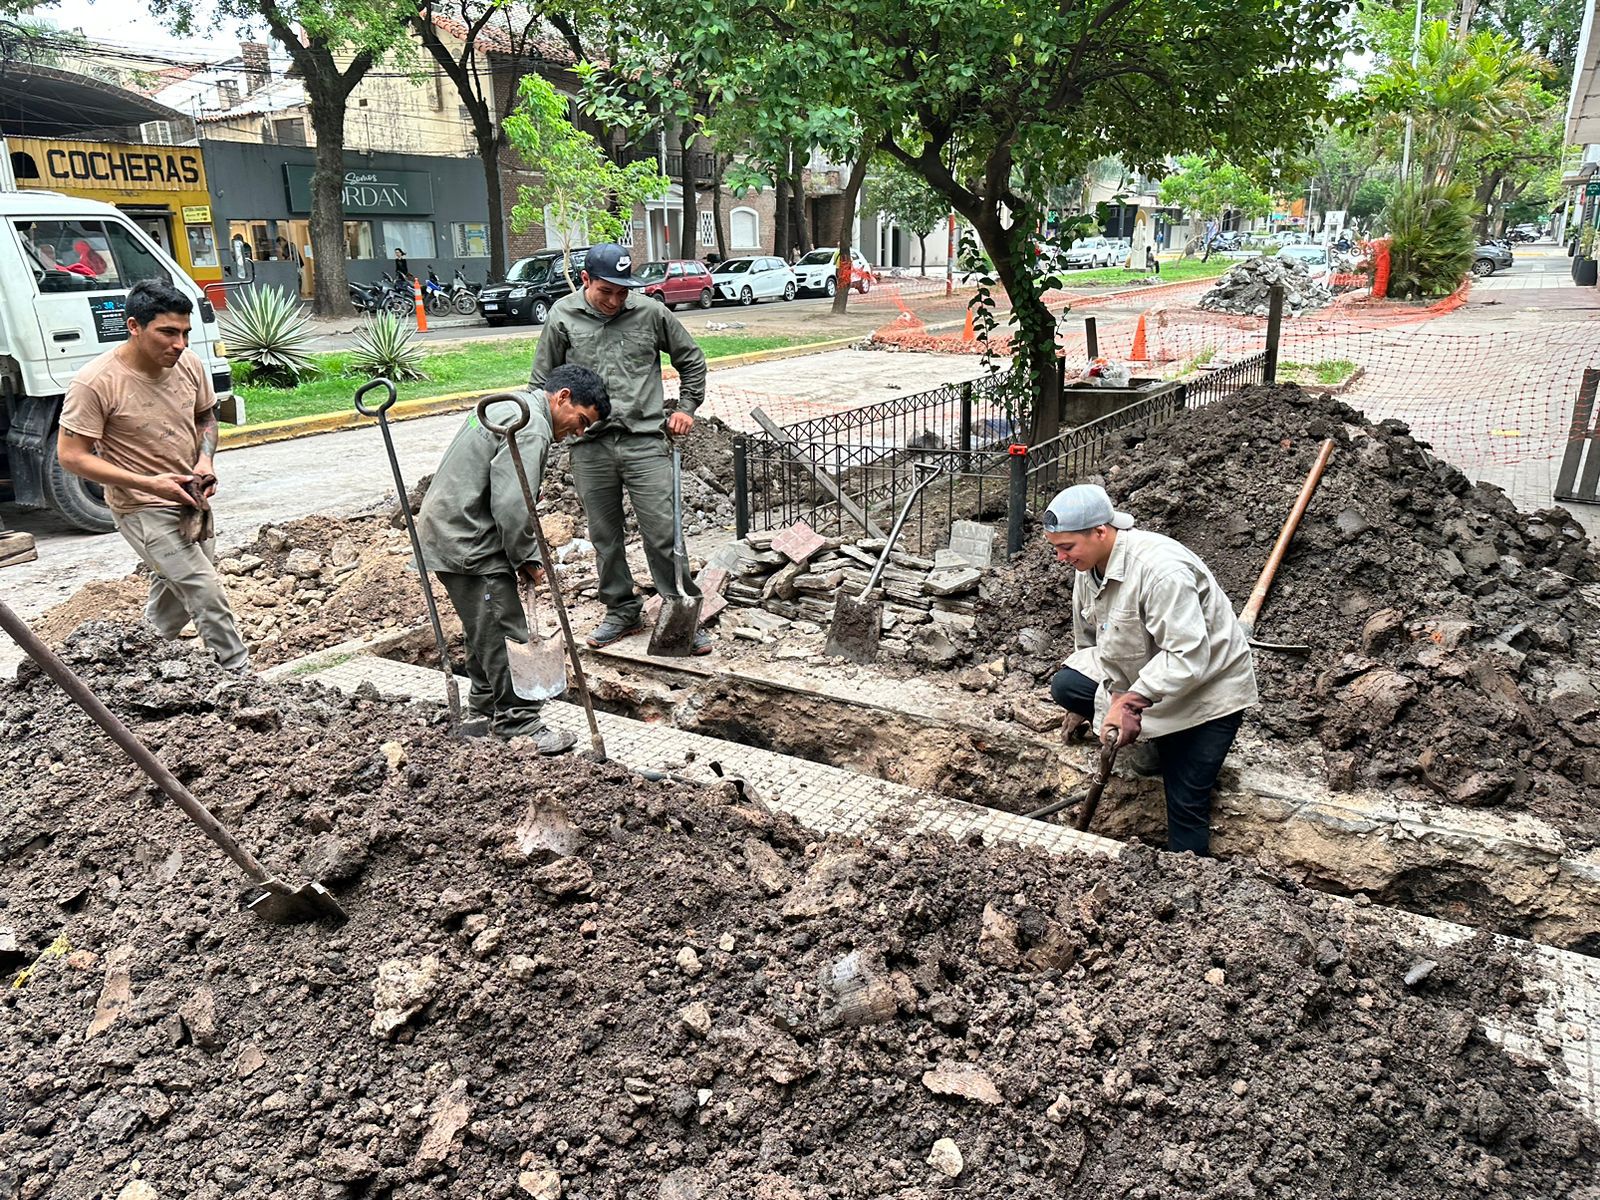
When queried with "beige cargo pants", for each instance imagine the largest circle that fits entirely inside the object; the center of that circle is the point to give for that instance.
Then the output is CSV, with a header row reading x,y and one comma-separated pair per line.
x,y
184,584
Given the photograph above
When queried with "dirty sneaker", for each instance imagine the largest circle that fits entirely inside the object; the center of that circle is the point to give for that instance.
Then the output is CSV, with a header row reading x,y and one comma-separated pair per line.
x,y
1145,760
613,630
704,643
550,741
475,727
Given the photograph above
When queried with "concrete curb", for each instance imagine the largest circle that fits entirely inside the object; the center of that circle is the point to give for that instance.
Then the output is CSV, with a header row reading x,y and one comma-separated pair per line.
x,y
289,428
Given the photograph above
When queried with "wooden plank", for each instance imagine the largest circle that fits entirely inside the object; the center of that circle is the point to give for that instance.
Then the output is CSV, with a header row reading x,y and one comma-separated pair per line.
x,y
774,431
1579,436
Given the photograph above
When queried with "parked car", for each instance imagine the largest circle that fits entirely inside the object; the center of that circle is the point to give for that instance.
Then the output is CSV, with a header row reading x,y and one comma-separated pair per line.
x,y
1121,248
1315,258
746,280
1490,257
819,271
676,281
530,287
1090,252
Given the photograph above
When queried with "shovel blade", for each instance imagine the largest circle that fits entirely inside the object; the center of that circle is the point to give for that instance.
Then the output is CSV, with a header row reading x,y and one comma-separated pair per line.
x,y
857,626
279,904
538,668
673,636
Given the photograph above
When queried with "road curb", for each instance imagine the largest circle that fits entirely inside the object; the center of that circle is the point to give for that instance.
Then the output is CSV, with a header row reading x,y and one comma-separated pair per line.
x,y
240,436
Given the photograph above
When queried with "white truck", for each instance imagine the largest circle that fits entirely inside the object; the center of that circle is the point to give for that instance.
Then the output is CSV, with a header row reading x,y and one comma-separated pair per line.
x,y
66,265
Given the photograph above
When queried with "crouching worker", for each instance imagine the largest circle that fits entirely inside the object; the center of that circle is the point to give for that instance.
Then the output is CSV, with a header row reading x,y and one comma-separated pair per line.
x,y
479,542
1157,652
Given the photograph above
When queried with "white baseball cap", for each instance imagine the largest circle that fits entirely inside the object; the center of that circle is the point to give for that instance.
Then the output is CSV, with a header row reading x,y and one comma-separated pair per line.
x,y
1083,506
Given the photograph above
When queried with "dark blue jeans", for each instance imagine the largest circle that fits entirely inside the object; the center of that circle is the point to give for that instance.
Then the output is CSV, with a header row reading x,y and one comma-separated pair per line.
x,y
1190,760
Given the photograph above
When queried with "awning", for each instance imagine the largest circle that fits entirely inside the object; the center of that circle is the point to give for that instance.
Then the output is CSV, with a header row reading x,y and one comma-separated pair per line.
x,y
38,101
1583,106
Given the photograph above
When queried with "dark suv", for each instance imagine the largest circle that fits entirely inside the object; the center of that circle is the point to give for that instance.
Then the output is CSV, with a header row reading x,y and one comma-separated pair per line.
x,y
530,287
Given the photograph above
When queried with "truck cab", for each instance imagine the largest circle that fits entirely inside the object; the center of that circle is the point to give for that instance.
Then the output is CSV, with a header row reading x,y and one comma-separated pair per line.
x,y
66,265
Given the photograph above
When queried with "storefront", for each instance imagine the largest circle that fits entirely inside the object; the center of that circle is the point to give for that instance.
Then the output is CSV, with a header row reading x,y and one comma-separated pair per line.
x,y
162,188
434,210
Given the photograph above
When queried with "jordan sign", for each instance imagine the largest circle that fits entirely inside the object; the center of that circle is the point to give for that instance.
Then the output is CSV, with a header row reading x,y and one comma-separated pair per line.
x,y
366,190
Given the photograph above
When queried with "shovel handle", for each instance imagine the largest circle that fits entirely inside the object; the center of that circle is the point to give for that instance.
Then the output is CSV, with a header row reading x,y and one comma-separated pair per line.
x,y
509,428
388,400
124,737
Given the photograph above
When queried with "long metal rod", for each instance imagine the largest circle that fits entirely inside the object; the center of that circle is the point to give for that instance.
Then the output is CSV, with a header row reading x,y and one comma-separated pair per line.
x,y
451,692
119,733
929,473
1258,595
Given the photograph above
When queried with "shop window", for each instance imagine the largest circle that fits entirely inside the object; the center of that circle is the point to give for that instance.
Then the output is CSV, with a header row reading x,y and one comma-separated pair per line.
x,y
414,237
202,245
358,239
86,256
469,239
744,224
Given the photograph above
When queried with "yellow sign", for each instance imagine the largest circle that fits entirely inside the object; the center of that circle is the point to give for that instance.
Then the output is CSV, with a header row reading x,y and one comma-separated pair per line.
x,y
197,214
110,166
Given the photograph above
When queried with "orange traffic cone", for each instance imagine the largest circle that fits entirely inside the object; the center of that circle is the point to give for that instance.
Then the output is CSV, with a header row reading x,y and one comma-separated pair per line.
x,y
966,330
1139,353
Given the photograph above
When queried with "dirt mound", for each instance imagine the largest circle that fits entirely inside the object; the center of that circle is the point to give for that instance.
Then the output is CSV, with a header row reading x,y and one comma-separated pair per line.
x,y
636,989
1452,643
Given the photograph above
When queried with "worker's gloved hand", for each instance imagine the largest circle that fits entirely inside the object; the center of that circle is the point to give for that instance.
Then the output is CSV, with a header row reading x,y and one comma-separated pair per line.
x,y
1071,723
1126,716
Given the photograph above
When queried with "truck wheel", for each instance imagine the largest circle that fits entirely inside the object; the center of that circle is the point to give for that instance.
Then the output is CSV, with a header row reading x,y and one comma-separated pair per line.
x,y
82,503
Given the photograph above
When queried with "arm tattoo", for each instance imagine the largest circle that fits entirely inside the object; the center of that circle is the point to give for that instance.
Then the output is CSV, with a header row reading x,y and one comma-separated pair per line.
x,y
206,426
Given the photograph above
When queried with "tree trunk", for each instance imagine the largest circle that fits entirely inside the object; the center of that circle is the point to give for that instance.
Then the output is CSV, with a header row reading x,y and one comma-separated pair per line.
x,y
489,152
922,249
691,216
717,168
330,294
1484,195
847,220
780,222
797,202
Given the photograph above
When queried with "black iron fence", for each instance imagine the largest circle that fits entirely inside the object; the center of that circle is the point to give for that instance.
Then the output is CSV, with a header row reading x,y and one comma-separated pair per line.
x,y
847,474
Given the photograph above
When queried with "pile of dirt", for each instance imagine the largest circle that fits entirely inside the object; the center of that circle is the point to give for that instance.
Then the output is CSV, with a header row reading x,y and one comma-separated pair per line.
x,y
639,989
1452,643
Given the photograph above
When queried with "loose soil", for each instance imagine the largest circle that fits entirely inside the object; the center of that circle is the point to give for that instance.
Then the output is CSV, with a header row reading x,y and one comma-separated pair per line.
x,y
669,992
1452,644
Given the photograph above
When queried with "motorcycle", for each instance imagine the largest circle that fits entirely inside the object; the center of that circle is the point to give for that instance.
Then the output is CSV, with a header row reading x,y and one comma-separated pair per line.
x,y
383,296
435,296
463,295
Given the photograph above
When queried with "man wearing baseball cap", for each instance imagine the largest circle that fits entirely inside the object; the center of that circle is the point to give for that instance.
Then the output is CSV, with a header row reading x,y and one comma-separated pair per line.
x,y
619,334
1158,652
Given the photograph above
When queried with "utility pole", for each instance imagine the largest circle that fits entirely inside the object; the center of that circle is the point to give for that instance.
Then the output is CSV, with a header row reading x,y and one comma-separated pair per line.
x,y
1405,154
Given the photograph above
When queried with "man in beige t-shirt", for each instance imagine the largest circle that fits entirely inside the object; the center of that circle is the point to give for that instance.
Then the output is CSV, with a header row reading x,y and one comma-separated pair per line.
x,y
141,421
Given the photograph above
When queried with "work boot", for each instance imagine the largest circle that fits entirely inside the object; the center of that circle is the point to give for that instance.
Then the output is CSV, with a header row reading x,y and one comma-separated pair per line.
x,y
613,629
1145,759
475,727
549,741
704,643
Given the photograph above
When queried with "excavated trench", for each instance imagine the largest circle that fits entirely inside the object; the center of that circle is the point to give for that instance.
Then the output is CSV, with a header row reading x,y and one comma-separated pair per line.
x,y
1489,872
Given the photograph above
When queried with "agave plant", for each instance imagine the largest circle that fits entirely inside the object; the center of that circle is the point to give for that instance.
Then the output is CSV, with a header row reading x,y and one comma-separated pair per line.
x,y
385,348
268,328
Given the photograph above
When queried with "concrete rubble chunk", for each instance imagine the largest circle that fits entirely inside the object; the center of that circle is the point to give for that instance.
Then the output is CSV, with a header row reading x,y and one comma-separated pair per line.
x,y
998,939
564,877
347,1165
539,1180
402,990
546,832
116,995
450,1117
766,867
963,1081
945,1158
303,564
952,582
138,1189
974,542
1247,288
829,886
799,543
695,1019
199,1015
250,1061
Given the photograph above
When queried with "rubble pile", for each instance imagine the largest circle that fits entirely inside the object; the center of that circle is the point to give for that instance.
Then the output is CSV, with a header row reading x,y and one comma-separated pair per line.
x,y
1247,288
1452,637
562,980
778,578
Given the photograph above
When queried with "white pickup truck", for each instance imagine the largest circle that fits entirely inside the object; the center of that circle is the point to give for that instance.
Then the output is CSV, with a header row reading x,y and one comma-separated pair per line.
x,y
66,265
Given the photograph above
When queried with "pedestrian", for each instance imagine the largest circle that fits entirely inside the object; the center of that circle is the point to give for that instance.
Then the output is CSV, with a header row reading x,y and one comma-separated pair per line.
x,y
1158,653
141,421
402,269
605,326
477,537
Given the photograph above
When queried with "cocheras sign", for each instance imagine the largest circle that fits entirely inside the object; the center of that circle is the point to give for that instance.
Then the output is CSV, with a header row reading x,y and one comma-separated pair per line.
x,y
366,190
107,166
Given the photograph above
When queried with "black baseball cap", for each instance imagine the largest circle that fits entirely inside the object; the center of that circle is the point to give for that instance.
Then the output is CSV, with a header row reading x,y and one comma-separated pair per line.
x,y
611,263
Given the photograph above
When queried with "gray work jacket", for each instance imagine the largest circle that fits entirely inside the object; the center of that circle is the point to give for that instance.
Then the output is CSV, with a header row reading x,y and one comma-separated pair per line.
x,y
1158,624
625,351
474,520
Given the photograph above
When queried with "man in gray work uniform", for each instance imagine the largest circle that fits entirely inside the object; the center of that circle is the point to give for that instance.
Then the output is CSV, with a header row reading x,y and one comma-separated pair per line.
x,y
620,334
477,537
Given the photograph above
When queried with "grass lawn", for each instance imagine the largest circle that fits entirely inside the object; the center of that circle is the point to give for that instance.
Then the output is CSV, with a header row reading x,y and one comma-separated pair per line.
x,y
1179,270
484,367
1329,373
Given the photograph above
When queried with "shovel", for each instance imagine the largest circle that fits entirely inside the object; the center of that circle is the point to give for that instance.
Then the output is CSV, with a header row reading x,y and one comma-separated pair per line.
x,y
271,899
509,432
1091,798
538,666
858,624
679,618
451,694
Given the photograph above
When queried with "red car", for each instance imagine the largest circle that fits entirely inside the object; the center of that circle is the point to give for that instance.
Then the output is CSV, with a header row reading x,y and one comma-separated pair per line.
x,y
676,281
